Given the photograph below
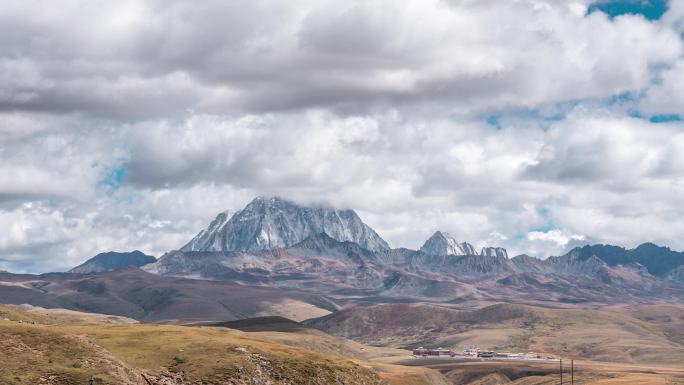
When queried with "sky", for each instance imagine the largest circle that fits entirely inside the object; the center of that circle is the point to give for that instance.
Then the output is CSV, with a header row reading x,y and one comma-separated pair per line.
x,y
536,125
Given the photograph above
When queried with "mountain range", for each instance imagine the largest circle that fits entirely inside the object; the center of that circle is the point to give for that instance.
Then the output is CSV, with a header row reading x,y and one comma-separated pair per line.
x,y
278,243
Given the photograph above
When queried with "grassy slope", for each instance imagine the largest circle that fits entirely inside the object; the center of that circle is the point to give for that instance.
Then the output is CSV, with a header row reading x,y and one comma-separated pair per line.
x,y
68,351
538,373
613,335
33,314
646,334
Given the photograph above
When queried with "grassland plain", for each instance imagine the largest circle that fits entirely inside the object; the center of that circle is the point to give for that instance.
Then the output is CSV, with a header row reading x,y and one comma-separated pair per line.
x,y
56,347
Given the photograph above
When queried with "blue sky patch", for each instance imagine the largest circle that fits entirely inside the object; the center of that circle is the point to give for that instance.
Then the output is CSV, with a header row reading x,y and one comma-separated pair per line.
x,y
495,121
113,178
665,118
544,117
543,229
650,9
623,97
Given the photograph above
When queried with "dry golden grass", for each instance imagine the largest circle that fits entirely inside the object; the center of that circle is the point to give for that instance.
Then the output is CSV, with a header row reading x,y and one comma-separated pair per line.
x,y
546,373
402,375
28,313
65,348
318,341
652,334
67,351
627,334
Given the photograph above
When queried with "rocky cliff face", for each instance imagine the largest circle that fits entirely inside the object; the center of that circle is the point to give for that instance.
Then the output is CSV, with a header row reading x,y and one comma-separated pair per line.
x,y
676,274
268,223
319,261
442,243
494,252
526,264
573,264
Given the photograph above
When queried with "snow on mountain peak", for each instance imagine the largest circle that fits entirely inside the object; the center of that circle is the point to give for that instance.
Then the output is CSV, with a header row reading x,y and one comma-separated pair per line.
x,y
494,252
441,243
267,223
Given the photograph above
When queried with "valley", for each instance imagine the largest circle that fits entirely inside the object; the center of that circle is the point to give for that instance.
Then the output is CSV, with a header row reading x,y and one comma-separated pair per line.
x,y
152,298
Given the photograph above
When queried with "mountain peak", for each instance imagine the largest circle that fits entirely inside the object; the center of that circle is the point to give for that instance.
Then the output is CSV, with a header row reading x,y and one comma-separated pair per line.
x,y
650,246
442,243
112,260
268,223
494,252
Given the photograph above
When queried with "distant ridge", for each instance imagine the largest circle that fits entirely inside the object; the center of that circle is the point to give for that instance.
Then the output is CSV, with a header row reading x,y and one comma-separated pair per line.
x,y
112,260
658,260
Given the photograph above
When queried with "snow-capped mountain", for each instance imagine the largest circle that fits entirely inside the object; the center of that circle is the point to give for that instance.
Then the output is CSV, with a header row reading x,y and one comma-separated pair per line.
x,y
441,243
278,243
210,238
268,223
317,261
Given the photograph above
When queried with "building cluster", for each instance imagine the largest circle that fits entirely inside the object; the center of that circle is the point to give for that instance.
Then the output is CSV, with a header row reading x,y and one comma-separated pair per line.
x,y
439,352
474,352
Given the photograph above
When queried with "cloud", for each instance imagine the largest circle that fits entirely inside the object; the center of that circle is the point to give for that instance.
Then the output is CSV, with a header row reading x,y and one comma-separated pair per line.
x,y
665,97
129,125
143,60
595,173
675,15
555,236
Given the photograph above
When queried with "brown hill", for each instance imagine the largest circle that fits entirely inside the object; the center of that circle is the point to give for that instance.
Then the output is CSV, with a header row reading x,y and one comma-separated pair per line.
x,y
652,334
127,354
57,347
147,297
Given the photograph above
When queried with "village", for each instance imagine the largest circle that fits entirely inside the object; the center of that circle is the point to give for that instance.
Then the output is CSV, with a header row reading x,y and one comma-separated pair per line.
x,y
473,352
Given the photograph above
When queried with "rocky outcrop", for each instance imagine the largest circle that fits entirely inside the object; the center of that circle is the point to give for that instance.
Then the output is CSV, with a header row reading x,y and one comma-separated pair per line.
x,y
494,252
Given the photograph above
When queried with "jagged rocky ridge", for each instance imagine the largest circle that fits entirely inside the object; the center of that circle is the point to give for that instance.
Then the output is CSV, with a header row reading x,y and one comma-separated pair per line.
x,y
441,243
355,260
323,264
